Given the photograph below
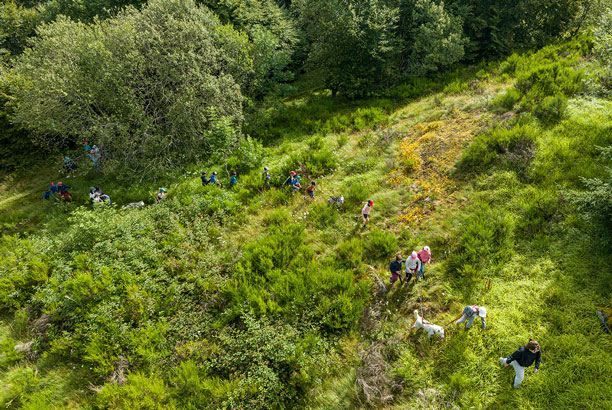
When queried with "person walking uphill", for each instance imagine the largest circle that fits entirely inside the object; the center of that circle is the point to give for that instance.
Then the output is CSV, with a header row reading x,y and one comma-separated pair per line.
x,y
233,181
413,265
523,357
396,269
425,258
365,212
204,178
470,312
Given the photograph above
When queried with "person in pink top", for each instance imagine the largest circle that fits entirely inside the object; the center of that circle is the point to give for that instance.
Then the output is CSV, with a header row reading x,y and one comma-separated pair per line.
x,y
425,258
365,212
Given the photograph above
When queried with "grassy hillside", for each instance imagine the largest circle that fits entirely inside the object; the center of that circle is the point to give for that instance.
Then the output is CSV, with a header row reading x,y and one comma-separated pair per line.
x,y
257,298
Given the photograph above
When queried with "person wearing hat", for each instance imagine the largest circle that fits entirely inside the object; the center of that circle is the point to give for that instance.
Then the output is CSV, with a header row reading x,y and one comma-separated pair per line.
x,y
296,183
310,189
266,175
470,312
425,258
213,179
160,195
204,178
523,357
233,180
396,269
413,265
289,180
365,212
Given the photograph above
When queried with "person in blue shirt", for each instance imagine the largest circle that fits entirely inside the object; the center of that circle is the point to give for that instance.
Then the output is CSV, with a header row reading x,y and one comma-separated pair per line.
x,y
47,195
204,178
63,191
86,146
233,180
54,189
213,179
160,195
295,183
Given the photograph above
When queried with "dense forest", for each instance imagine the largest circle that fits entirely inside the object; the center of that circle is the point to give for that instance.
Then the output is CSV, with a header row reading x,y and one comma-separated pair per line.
x,y
479,129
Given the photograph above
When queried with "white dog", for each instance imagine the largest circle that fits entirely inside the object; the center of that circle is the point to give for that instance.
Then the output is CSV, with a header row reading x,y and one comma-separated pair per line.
x,y
430,328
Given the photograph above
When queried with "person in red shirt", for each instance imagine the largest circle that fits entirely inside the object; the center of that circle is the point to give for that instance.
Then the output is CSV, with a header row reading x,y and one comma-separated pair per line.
x,y
425,258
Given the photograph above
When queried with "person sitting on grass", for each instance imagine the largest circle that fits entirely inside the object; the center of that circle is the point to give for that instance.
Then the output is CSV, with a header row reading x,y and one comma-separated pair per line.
x,y
160,195
425,258
365,213
63,191
396,269
310,189
523,357
204,178
93,195
413,265
233,180
470,312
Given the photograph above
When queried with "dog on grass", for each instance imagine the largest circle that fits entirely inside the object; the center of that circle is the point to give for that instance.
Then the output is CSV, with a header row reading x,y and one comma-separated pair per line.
x,y
430,328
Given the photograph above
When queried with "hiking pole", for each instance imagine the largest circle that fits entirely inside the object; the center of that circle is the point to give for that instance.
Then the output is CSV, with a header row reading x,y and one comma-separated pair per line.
x,y
454,320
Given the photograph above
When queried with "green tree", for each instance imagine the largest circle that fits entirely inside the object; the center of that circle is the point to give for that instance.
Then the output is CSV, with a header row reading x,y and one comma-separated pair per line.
x,y
17,23
141,85
353,43
433,36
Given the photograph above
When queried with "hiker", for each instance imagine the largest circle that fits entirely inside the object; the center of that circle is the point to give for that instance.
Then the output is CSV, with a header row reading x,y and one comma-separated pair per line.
x,y
63,191
396,269
413,265
204,178
289,180
233,180
94,155
54,189
425,258
70,167
93,195
86,146
98,190
104,198
365,212
266,176
470,312
295,184
160,195
311,188
523,357
47,195
213,179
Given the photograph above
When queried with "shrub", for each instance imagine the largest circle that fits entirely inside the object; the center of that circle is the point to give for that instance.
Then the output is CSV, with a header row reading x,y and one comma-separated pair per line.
x,y
484,236
277,217
311,162
322,216
350,253
247,155
507,148
356,192
380,245
551,109
507,100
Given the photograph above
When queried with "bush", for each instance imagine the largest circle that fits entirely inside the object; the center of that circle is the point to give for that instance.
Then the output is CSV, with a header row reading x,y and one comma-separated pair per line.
x,y
508,100
350,253
380,245
322,216
512,149
484,236
312,163
356,192
247,155
551,109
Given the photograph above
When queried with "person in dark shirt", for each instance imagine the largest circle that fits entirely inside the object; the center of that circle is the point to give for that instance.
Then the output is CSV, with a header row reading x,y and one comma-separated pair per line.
x,y
53,188
47,195
310,190
63,191
523,357
396,269
204,178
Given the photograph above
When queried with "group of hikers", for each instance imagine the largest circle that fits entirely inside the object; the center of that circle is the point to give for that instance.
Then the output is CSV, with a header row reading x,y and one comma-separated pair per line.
x,y
97,196
57,192
524,357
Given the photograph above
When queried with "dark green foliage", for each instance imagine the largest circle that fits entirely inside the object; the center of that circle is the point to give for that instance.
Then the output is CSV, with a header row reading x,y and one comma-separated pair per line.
x,y
538,210
277,275
350,253
17,24
485,236
148,108
311,163
551,109
595,203
247,155
352,42
380,245
507,148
